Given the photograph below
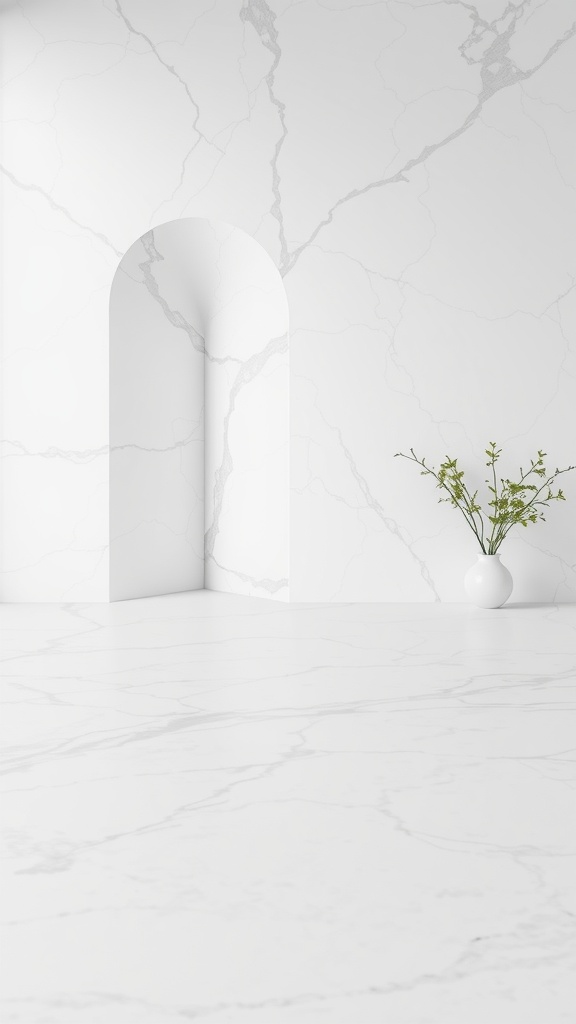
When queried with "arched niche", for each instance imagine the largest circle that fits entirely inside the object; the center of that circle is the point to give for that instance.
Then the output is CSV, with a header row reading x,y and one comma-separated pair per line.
x,y
199,415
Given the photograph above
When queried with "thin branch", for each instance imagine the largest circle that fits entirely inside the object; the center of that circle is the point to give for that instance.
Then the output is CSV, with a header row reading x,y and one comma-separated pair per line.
x,y
509,504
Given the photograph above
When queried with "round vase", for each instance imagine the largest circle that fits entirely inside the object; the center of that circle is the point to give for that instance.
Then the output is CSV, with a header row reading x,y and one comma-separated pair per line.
x,y
488,583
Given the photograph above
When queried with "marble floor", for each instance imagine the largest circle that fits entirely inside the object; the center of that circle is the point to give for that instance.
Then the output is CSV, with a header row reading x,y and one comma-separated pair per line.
x,y
229,810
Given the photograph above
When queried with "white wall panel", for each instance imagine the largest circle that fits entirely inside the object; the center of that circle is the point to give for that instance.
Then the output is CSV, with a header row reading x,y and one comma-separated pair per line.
x,y
410,170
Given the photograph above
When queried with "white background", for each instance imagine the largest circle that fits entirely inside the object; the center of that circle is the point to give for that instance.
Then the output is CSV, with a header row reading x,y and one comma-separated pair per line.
x,y
410,169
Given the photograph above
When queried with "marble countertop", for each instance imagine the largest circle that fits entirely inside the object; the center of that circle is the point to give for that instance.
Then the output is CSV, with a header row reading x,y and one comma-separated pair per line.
x,y
232,810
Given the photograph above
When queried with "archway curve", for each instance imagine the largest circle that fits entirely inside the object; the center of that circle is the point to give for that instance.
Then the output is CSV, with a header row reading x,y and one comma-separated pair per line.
x,y
199,415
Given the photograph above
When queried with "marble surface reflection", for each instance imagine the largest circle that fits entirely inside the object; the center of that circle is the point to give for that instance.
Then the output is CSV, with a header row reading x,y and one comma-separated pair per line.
x,y
220,808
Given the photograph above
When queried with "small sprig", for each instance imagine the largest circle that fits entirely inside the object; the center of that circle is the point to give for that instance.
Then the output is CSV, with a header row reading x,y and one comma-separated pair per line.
x,y
511,503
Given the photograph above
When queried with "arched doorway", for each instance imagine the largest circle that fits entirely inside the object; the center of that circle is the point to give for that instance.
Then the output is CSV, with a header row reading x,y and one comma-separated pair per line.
x,y
199,415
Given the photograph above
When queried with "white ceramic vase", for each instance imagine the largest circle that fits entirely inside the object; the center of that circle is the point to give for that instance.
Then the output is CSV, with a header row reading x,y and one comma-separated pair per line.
x,y
488,583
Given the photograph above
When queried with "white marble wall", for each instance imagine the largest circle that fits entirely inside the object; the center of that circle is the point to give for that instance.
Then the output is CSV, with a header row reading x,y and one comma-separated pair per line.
x,y
410,169
247,474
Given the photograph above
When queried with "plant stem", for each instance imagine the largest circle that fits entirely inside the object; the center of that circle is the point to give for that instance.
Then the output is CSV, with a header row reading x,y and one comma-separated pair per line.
x,y
467,515
509,502
533,501
471,503
491,548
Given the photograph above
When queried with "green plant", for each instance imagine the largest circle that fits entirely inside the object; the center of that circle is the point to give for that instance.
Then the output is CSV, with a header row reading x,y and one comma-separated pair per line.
x,y
511,504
